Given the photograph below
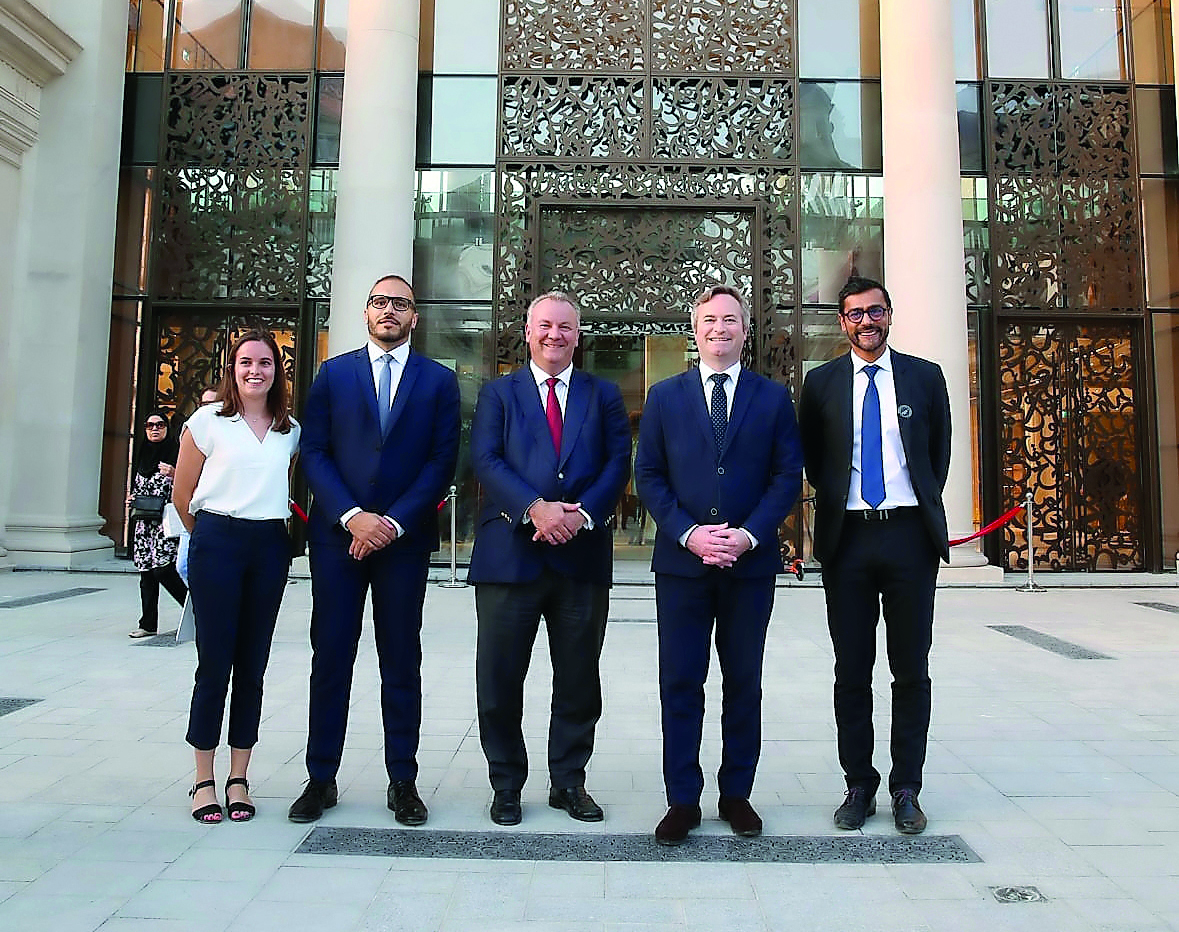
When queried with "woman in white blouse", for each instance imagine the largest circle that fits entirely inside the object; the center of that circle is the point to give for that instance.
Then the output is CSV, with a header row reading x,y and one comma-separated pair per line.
x,y
232,488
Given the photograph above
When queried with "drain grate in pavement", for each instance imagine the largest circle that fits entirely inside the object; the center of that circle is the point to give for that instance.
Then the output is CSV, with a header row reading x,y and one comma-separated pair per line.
x,y
1048,642
631,621
1018,895
12,704
532,846
1160,606
46,597
163,639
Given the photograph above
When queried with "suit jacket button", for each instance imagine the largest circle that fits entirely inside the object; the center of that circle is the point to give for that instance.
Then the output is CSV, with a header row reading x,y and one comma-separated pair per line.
x,y
713,512
720,470
560,475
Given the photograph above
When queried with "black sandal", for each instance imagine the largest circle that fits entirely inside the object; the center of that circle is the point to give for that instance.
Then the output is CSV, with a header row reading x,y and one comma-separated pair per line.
x,y
202,815
239,811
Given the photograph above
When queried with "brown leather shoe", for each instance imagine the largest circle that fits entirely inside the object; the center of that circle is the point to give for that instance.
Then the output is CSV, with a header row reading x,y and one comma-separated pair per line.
x,y
674,828
741,816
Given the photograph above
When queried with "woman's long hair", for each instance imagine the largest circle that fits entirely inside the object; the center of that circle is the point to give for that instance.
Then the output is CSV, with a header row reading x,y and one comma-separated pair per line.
x,y
153,452
278,399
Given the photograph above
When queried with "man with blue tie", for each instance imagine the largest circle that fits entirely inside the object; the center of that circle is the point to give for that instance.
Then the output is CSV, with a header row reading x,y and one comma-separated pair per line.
x,y
379,446
876,435
719,466
551,449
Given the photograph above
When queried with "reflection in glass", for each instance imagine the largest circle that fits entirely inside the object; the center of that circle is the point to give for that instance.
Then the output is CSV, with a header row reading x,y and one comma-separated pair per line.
x,y
147,31
976,240
321,231
969,128
842,232
1155,119
333,33
1154,51
282,34
142,96
839,125
1160,228
462,121
327,119
967,61
466,36
133,225
1092,43
1166,370
454,232
839,38
1017,38
117,433
206,35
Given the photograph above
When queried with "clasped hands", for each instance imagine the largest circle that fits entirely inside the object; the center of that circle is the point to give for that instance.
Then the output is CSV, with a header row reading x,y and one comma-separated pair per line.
x,y
556,522
370,532
718,544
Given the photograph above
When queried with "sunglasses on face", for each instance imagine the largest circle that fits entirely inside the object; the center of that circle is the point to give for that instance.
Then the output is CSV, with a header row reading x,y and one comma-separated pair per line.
x,y
875,313
156,425
382,301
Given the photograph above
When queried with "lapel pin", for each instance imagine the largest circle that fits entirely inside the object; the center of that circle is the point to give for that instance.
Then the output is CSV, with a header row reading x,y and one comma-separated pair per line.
x,y
904,411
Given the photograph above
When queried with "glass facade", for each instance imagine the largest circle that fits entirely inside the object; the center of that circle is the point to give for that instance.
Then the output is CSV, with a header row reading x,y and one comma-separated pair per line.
x,y
757,160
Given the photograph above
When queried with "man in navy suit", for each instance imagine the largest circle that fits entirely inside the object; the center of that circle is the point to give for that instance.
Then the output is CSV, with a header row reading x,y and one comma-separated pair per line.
x,y
719,466
876,435
551,449
380,441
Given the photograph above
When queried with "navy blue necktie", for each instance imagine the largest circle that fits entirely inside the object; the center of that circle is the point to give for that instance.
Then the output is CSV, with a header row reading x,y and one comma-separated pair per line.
x,y
719,408
871,444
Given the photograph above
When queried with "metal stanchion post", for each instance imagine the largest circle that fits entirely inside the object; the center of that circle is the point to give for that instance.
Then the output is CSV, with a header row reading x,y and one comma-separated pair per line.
x,y
454,582
1029,514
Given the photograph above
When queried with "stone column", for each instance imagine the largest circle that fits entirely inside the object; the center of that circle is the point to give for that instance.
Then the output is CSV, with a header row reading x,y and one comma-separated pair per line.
x,y
56,351
377,181
923,252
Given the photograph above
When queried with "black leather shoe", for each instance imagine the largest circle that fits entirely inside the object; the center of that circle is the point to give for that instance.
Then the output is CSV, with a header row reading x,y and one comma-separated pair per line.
x,y
405,803
906,813
674,827
317,796
742,817
577,802
855,809
505,807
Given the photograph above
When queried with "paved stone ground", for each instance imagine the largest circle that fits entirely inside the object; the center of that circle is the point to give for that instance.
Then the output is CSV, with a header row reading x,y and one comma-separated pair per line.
x,y
1059,773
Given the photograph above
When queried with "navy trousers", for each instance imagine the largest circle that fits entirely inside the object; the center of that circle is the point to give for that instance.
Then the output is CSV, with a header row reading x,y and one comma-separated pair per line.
x,y
237,573
689,610
397,577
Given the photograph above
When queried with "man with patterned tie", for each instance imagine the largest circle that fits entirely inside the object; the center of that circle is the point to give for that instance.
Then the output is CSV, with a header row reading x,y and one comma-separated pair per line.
x,y
876,435
379,446
719,466
550,446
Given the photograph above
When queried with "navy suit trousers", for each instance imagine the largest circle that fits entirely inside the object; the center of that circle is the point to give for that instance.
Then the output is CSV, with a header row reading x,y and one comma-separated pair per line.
x,y
689,609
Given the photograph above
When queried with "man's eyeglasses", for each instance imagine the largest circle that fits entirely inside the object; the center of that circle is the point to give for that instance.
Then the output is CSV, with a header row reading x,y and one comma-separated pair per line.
x,y
875,313
155,425
382,301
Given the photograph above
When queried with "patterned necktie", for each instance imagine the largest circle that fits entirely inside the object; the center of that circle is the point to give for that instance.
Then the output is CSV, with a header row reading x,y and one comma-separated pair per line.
x,y
384,388
719,408
871,444
552,411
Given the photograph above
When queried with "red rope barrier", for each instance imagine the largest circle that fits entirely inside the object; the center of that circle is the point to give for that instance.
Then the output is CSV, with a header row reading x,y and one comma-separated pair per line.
x,y
998,522
299,512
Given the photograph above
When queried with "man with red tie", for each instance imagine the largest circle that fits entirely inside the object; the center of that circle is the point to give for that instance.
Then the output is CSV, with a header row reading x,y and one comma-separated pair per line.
x,y
551,448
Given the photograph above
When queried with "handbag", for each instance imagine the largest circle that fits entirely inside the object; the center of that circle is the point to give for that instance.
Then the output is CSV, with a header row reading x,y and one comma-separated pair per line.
x,y
147,507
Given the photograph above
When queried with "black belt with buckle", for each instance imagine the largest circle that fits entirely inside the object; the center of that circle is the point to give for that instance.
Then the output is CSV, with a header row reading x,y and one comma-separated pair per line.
x,y
884,514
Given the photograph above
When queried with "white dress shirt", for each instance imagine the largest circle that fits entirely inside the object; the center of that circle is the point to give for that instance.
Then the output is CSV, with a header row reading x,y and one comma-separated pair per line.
x,y
898,489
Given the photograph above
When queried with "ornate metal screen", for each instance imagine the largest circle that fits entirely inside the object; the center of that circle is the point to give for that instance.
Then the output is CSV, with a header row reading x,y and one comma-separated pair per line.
x,y
1069,410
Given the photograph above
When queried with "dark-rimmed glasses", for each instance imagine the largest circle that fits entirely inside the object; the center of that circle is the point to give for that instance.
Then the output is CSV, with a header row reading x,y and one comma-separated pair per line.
x,y
399,304
155,425
875,313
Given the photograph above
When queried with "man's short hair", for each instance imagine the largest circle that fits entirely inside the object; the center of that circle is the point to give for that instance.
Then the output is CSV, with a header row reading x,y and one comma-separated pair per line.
x,y
563,296
395,277
857,284
711,292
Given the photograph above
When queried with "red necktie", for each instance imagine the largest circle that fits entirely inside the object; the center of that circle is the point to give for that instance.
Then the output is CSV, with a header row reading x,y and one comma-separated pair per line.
x,y
552,410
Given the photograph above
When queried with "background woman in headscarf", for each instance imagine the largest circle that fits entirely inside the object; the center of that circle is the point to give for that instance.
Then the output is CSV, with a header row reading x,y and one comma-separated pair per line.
x,y
153,554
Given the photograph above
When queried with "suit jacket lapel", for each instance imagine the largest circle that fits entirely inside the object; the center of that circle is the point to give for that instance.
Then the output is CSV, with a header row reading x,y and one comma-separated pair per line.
x,y
528,398
364,384
903,386
576,409
742,398
695,405
844,374
404,387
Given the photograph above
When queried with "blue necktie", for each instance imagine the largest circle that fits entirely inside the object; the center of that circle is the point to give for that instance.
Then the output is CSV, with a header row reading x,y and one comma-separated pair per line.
x,y
384,387
871,445
719,408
